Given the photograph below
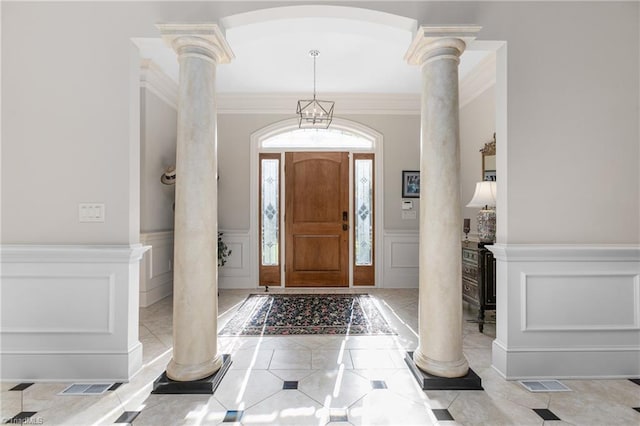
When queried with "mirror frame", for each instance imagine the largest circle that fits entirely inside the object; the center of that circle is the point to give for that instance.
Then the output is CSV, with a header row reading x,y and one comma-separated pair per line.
x,y
488,150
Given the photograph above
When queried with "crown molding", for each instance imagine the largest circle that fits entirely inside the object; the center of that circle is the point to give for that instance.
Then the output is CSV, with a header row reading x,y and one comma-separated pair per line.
x,y
482,78
346,103
154,79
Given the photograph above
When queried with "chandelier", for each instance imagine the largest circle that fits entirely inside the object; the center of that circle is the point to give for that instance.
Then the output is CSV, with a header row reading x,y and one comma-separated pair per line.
x,y
314,113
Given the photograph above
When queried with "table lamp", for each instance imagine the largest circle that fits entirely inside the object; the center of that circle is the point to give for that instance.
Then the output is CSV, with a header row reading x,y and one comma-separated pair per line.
x,y
485,198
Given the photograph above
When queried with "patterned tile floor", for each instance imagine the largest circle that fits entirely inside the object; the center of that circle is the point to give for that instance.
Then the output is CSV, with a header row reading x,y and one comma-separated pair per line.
x,y
319,380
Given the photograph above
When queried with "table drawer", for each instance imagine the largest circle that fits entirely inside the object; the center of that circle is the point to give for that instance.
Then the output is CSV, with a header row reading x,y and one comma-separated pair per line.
x,y
469,256
470,291
470,272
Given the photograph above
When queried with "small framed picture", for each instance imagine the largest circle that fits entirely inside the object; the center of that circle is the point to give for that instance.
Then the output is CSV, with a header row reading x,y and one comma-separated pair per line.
x,y
410,184
490,175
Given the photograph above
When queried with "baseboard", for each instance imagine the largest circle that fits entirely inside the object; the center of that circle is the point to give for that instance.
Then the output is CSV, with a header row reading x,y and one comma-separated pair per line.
x,y
71,366
566,363
148,298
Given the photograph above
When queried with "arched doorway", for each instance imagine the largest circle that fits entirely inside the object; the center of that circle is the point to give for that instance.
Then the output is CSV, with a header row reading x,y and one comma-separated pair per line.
x,y
272,239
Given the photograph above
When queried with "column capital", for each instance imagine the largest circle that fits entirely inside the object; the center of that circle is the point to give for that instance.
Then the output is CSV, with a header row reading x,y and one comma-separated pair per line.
x,y
204,39
432,42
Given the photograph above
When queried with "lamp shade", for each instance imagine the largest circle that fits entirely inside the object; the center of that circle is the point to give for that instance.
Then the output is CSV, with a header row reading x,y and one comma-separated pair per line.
x,y
485,195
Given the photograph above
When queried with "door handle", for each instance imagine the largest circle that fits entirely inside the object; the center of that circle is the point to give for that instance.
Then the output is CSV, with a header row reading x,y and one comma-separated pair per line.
x,y
345,226
345,216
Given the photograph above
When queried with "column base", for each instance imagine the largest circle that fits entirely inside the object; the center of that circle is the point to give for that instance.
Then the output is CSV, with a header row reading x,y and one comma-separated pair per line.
x,y
189,373
448,369
206,386
471,381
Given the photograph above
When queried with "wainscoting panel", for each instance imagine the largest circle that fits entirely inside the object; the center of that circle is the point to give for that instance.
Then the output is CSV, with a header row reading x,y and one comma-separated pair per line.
x,y
567,311
549,302
237,272
156,268
400,259
45,294
70,313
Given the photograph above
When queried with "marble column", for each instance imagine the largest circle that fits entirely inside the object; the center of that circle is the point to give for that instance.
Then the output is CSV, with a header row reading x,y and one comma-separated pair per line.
x,y
200,47
439,352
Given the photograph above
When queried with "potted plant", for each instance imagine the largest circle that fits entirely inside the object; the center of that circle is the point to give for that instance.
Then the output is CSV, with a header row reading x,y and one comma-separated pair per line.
x,y
223,251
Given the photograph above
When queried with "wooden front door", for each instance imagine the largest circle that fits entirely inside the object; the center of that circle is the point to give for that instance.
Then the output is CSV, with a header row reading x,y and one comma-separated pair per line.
x,y
317,219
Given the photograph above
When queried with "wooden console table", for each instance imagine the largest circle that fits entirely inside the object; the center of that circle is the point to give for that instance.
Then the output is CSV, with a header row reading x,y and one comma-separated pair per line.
x,y
478,278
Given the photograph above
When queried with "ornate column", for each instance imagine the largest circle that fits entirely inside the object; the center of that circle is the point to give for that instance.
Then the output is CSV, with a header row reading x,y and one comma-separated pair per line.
x,y
200,47
439,352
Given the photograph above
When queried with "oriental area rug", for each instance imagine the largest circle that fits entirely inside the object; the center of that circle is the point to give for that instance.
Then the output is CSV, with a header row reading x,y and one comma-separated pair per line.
x,y
294,314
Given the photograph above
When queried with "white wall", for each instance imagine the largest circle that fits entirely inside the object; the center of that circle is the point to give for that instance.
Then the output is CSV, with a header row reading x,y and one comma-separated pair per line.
x,y
234,146
477,125
158,151
572,140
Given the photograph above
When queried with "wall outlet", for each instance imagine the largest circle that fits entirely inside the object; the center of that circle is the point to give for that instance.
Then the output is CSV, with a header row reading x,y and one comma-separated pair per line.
x,y
91,212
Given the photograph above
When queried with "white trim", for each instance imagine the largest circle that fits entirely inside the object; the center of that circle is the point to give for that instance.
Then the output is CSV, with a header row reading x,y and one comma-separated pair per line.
x,y
319,11
400,275
27,253
71,366
56,285
156,283
560,337
565,363
566,252
635,299
480,79
570,349
110,306
338,123
347,103
154,79
237,272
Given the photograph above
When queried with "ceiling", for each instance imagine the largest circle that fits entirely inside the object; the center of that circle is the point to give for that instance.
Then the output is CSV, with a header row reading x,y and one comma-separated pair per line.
x,y
356,56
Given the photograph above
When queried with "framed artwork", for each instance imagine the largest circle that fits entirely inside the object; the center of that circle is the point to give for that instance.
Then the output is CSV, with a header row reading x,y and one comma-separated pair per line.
x,y
410,184
489,175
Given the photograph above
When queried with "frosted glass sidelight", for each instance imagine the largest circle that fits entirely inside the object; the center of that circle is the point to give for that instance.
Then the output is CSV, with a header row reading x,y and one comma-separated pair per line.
x,y
270,211
363,211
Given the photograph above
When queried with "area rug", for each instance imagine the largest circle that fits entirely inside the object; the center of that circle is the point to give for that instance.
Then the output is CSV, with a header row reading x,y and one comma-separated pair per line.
x,y
294,314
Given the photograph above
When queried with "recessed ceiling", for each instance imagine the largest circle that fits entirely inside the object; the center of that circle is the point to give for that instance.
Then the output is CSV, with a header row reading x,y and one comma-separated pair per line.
x,y
273,57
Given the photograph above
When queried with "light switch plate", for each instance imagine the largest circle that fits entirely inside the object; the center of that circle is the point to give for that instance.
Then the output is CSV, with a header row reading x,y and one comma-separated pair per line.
x,y
91,212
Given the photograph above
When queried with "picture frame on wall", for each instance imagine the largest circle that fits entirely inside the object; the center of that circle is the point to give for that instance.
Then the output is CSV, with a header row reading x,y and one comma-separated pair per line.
x,y
410,184
489,175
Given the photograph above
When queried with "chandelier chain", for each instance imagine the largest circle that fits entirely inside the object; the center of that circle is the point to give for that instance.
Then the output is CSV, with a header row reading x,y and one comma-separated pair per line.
x,y
314,54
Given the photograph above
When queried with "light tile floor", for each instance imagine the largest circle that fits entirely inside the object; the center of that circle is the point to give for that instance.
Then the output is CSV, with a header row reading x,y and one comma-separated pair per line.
x,y
334,377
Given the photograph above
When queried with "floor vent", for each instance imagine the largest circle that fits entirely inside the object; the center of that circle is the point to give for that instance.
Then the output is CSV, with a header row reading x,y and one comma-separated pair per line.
x,y
544,386
86,389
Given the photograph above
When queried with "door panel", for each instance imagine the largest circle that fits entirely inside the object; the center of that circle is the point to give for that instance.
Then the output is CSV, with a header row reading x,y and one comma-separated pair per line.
x,y
316,219
317,253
